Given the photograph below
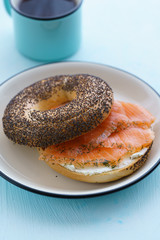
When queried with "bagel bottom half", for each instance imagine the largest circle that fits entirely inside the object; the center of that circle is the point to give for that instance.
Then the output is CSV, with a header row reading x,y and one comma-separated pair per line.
x,y
103,177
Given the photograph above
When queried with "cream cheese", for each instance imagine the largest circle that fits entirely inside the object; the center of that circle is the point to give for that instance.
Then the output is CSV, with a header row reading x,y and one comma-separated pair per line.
x,y
98,170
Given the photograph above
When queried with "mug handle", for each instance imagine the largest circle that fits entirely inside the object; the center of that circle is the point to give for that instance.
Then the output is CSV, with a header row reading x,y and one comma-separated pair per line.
x,y
7,6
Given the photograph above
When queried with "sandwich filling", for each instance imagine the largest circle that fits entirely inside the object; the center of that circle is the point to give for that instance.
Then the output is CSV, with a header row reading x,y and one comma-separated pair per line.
x,y
125,135
98,170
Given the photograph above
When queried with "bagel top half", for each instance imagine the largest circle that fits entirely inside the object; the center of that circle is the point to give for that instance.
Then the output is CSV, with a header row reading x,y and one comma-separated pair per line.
x,y
32,118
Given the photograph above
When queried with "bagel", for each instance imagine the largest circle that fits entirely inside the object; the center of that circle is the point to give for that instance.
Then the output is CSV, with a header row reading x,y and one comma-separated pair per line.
x,y
116,148
85,102
106,174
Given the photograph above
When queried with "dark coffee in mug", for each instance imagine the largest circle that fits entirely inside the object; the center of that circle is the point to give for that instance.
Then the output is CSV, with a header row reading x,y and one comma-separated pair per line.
x,y
46,8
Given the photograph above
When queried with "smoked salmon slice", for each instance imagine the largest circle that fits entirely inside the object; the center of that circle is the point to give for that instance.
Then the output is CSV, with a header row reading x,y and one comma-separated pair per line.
x,y
97,157
126,131
132,138
117,146
123,115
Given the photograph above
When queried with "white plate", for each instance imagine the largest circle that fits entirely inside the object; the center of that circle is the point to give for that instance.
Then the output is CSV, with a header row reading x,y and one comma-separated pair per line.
x,y
20,164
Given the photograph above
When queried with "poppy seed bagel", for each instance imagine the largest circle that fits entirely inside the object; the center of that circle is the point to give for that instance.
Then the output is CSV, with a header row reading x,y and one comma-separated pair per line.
x,y
29,120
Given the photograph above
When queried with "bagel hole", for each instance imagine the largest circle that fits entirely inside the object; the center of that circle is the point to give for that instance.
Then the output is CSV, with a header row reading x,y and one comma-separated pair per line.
x,y
56,101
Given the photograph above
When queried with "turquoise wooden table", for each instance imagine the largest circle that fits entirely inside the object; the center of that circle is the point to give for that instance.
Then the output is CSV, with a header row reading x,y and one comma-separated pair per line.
x,y
123,34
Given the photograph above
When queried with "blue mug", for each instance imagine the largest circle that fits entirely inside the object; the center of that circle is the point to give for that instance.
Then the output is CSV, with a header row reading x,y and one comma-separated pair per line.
x,y
46,39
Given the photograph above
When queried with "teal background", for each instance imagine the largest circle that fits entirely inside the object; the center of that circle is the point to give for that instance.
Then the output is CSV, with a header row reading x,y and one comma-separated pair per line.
x,y
124,34
47,40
